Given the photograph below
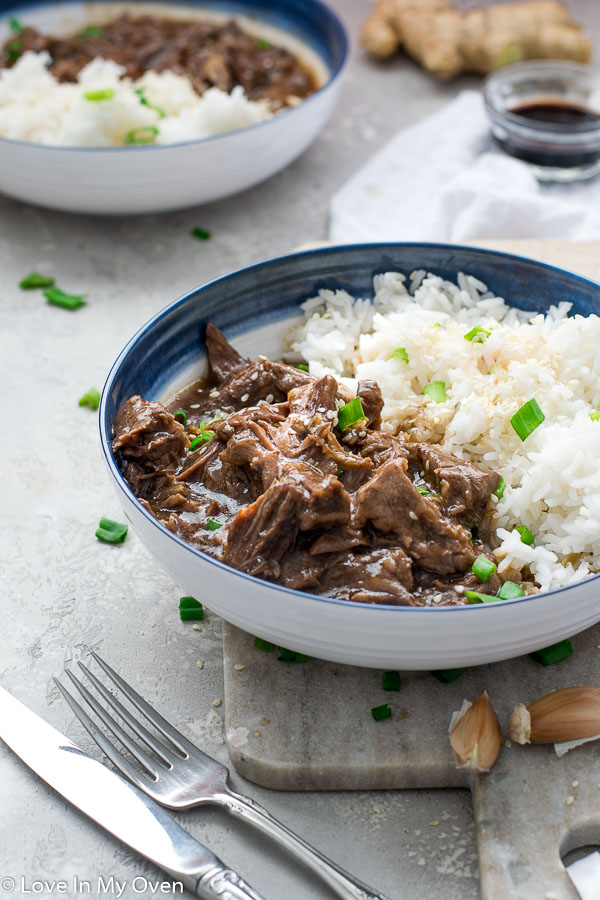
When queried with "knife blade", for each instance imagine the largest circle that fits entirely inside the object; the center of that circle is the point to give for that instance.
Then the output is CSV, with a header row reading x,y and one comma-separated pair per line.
x,y
116,805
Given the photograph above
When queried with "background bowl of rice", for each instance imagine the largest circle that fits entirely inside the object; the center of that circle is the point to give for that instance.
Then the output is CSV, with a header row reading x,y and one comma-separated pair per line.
x,y
143,179
550,350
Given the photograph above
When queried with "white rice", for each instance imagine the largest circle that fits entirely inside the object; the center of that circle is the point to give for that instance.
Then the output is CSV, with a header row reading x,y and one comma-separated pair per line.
x,y
553,477
34,106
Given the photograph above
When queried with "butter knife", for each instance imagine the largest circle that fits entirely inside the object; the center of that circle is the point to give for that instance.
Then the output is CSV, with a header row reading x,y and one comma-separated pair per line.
x,y
117,805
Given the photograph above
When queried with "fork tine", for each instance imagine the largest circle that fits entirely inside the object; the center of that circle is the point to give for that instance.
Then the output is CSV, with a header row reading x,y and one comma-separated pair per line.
x,y
142,757
105,745
161,751
166,729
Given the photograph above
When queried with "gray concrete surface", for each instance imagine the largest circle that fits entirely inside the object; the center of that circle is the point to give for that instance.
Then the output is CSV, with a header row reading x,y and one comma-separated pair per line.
x,y
64,593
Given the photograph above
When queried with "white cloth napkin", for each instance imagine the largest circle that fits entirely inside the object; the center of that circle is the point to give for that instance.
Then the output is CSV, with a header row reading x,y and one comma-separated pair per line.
x,y
443,179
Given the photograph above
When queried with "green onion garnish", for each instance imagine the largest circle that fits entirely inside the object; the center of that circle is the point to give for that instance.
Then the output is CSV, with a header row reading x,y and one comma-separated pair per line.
x,y
499,492
390,681
202,235
446,676
554,653
424,491
91,31
145,102
91,398
291,656
510,591
213,525
15,48
267,646
350,414
483,568
190,609
526,535
57,297
145,135
35,280
476,597
400,353
436,390
102,94
16,27
595,416
262,44
340,472
381,712
477,334
205,435
302,366
111,532
180,415
527,419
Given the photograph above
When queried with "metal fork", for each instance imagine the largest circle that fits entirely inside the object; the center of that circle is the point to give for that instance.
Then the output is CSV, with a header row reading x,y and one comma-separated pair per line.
x,y
181,776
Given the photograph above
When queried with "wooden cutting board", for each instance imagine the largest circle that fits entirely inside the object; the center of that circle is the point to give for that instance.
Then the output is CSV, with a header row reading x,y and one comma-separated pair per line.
x,y
308,726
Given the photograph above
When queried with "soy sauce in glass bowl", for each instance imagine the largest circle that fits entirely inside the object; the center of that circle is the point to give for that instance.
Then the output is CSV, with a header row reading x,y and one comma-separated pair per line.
x,y
547,113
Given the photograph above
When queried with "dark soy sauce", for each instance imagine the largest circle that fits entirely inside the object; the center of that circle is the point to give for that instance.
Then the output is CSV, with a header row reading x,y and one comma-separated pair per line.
x,y
565,117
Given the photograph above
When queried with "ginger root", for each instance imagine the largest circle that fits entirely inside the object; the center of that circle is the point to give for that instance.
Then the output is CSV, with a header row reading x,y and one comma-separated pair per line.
x,y
447,42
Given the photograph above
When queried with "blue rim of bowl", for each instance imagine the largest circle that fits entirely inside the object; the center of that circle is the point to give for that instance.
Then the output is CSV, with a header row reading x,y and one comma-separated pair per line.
x,y
105,437
334,76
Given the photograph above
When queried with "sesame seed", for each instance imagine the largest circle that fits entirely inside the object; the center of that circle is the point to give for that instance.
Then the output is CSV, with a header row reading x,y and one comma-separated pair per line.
x,y
266,722
459,588
412,515
244,398
254,376
257,733
569,800
270,398
239,667
194,406
330,414
214,394
217,702
574,784
434,823
200,664
196,627
377,809
508,742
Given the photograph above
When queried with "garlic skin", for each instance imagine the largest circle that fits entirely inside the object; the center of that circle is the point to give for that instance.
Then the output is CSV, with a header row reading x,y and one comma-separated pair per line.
x,y
570,714
475,735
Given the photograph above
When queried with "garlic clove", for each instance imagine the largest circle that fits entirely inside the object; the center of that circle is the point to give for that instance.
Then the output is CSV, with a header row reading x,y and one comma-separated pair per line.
x,y
475,735
566,715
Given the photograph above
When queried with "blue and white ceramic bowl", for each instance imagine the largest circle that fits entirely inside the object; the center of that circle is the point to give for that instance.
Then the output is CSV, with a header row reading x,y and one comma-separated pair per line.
x,y
255,307
132,180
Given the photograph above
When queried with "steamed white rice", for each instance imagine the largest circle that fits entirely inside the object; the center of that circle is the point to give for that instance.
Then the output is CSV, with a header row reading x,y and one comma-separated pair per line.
x,y
34,106
553,477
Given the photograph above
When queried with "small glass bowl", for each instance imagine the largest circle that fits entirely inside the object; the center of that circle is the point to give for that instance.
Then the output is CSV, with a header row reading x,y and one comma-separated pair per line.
x,y
556,151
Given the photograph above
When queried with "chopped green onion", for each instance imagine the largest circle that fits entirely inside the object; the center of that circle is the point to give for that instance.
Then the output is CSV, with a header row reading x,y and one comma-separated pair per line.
x,y
267,646
102,94
381,712
476,597
424,491
477,334
180,415
91,31
291,656
527,418
203,438
510,591
446,676
213,525
145,102
145,135
493,369
526,535
262,44
302,366
15,48
57,297
16,27
483,568
436,390
201,234
190,609
554,653
350,414
400,353
390,681
436,325
499,492
595,416
35,280
91,398
339,472
111,532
